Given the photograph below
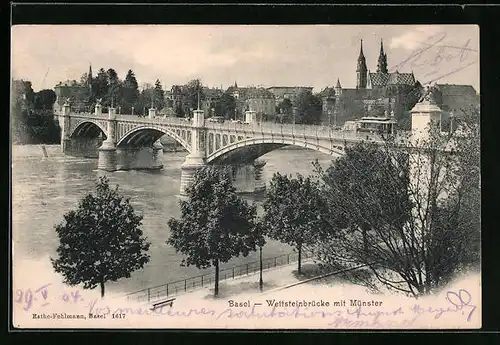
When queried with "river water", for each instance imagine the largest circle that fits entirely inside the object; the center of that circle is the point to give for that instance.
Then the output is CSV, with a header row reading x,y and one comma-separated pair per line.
x,y
45,188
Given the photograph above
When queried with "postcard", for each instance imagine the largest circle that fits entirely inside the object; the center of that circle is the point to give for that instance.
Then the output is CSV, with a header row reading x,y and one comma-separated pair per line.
x,y
245,177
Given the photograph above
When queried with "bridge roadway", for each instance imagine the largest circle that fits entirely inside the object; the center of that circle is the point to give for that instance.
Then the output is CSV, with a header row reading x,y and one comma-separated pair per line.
x,y
220,138
120,141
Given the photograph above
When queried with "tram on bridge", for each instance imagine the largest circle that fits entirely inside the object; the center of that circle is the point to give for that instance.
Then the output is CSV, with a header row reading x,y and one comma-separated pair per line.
x,y
384,125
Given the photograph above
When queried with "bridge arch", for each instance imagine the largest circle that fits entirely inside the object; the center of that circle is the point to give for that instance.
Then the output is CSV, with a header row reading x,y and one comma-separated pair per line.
x,y
147,135
266,145
88,128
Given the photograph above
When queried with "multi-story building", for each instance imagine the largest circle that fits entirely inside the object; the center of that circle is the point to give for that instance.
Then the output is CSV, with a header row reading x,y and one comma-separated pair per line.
x,y
78,95
287,92
258,99
210,98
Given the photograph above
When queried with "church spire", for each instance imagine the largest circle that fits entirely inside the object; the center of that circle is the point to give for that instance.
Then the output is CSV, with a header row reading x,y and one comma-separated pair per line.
x,y
382,59
89,77
338,88
361,69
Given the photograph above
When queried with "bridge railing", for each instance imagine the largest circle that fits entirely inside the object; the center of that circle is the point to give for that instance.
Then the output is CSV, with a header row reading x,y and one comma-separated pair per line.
x,y
297,130
269,128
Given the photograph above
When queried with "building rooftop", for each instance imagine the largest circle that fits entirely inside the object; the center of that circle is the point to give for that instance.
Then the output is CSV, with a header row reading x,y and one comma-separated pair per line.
x,y
394,78
454,97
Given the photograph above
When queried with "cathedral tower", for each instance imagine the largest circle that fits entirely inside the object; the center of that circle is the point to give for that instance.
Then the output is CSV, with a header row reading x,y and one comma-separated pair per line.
x,y
338,88
361,70
382,59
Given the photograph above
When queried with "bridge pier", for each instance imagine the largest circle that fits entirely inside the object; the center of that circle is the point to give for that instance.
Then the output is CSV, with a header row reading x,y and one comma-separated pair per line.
x,y
140,158
157,162
107,157
83,147
64,123
247,178
107,151
188,169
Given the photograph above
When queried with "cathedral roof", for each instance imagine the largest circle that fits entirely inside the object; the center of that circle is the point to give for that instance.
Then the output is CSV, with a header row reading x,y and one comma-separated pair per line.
x,y
397,78
378,79
394,78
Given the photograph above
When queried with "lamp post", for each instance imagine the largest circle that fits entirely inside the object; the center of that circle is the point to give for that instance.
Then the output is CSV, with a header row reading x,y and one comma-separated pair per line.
x,y
452,116
261,283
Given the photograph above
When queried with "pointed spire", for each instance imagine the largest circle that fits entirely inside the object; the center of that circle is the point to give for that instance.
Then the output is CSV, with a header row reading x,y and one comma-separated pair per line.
x,y
338,84
382,59
235,84
89,77
361,55
361,69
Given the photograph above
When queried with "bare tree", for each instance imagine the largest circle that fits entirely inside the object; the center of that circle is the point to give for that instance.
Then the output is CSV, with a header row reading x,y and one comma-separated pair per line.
x,y
407,209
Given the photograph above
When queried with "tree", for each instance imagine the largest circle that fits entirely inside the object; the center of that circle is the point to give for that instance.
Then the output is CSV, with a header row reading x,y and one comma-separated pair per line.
x,y
285,110
114,88
100,84
193,91
158,95
226,106
130,93
179,111
309,108
408,210
101,240
294,211
215,224
45,99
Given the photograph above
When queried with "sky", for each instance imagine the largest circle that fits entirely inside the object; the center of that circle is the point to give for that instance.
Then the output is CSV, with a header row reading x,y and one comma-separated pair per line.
x,y
263,55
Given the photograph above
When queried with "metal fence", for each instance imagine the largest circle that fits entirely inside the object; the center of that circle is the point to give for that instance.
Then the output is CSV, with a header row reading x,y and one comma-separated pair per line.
x,y
200,281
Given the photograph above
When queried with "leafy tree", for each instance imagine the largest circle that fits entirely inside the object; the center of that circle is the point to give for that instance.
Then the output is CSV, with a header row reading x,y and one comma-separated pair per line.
x,y
215,224
309,108
100,84
294,211
192,91
101,240
408,210
179,111
285,110
114,89
41,128
130,93
45,99
158,95
226,106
